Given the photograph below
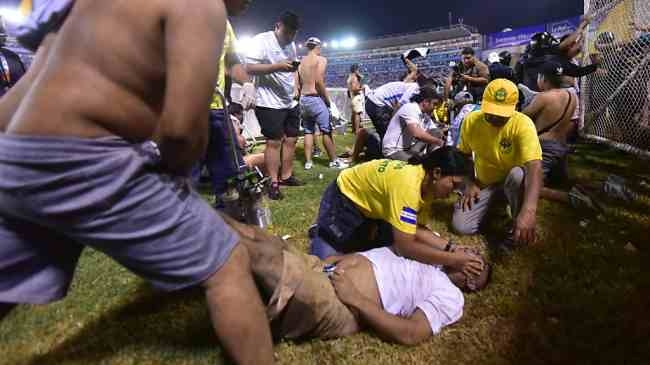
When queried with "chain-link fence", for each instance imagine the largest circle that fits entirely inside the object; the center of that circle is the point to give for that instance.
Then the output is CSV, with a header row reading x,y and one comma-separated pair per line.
x,y
616,99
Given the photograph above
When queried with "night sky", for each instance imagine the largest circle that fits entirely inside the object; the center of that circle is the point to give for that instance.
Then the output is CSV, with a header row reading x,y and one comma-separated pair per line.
x,y
329,19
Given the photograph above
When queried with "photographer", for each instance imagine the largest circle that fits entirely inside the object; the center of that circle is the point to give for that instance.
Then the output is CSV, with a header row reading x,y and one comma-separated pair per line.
x,y
544,48
471,75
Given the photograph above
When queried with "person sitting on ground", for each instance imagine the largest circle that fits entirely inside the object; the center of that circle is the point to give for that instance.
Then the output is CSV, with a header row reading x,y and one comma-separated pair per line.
x,y
401,300
411,131
96,181
552,110
463,105
252,160
315,103
507,157
387,202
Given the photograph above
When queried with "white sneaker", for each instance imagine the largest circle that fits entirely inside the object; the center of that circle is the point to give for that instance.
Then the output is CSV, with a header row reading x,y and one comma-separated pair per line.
x,y
339,164
309,165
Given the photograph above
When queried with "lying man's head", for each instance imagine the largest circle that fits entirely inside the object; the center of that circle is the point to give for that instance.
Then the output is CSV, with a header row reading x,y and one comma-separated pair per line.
x,y
468,282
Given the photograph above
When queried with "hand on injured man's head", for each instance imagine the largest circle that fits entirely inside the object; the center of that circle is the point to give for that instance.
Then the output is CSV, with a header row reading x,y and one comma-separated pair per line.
x,y
474,275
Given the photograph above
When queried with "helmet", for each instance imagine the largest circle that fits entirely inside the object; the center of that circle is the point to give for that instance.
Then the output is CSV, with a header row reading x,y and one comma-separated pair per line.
x,y
505,58
542,42
463,97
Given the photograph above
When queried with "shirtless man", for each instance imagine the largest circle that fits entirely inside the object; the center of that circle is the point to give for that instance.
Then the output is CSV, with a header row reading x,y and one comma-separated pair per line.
x,y
95,181
355,92
401,300
315,103
552,111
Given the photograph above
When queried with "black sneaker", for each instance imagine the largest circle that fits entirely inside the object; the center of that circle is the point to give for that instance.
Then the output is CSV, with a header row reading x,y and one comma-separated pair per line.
x,y
274,192
291,181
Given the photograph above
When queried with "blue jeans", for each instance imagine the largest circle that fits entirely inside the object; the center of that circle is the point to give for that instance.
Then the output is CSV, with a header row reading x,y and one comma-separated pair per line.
x,y
219,155
341,228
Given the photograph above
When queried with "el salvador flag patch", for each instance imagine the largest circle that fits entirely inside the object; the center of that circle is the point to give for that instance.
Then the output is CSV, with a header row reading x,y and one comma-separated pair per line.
x,y
409,215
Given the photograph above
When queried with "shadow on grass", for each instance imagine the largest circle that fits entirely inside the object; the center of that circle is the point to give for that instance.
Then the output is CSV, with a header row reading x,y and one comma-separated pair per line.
x,y
587,299
154,319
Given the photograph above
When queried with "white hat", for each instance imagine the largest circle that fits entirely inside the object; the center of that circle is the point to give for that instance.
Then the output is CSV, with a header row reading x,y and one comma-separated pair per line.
x,y
313,41
494,57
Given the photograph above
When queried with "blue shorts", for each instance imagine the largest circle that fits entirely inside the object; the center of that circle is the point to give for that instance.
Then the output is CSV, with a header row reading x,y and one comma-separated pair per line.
x,y
314,112
58,195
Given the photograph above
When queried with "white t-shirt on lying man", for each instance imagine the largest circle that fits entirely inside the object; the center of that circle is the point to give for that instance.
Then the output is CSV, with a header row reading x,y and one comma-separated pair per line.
x,y
406,285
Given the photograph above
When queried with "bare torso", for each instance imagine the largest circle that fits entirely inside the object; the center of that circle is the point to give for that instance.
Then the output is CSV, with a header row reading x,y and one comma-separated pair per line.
x,y
310,70
555,103
105,75
353,84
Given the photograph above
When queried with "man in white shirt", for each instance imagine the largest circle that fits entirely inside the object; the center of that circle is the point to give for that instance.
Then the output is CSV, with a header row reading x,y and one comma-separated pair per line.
x,y
273,62
401,300
382,102
410,130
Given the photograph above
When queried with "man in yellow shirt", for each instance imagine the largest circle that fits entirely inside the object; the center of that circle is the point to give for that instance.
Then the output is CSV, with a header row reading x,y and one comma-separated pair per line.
x,y
219,154
508,161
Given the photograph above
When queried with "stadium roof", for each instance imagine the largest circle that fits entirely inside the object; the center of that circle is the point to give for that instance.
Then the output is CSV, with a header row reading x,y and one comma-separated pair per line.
x,y
429,35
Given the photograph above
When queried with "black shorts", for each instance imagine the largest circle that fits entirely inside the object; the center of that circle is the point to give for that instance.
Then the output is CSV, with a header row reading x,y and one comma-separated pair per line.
x,y
278,123
554,155
380,117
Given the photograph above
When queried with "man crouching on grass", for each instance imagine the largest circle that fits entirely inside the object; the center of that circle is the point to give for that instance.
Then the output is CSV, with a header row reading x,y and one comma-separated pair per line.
x,y
402,300
76,170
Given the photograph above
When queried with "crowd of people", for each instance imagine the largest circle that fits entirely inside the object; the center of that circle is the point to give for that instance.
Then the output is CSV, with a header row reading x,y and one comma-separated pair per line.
x,y
77,172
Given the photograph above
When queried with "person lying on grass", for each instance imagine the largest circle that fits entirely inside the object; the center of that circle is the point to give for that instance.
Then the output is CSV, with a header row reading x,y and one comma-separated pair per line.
x,y
401,300
386,202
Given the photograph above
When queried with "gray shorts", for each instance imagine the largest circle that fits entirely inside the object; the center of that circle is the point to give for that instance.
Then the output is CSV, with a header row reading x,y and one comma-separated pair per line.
x,y
313,111
554,156
58,195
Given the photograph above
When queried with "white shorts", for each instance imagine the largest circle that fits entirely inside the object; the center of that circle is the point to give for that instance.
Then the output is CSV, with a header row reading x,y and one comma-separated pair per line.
x,y
357,104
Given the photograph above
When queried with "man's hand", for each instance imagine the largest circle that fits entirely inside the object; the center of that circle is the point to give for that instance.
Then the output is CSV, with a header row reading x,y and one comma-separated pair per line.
x,y
248,96
284,66
471,196
469,264
345,288
466,78
410,65
524,229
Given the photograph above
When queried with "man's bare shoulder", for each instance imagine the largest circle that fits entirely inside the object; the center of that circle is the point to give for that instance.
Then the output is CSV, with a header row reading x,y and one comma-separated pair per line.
x,y
199,8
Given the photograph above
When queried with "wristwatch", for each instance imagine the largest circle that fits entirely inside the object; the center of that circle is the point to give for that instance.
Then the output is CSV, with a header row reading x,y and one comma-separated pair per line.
x,y
450,245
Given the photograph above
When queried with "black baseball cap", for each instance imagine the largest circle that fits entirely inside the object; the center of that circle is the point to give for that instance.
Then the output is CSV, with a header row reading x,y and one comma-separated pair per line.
x,y
290,20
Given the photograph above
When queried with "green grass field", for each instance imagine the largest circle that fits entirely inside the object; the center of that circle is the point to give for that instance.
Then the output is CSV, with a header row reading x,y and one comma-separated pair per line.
x,y
579,297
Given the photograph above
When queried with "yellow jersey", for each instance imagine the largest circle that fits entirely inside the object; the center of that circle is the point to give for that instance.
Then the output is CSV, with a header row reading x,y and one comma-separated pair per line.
x,y
497,150
441,113
388,190
229,47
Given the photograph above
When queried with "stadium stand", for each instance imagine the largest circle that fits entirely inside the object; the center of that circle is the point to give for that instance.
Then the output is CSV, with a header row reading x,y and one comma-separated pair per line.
x,y
380,58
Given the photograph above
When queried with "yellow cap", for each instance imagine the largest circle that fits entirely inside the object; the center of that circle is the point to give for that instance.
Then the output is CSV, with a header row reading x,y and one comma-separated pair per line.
x,y
500,98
